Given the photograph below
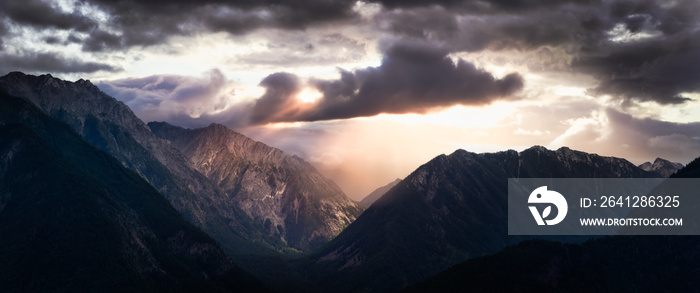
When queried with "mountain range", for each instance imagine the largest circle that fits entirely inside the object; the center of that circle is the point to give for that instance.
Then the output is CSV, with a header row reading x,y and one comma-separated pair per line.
x,y
450,209
211,205
120,205
112,127
74,219
610,264
664,167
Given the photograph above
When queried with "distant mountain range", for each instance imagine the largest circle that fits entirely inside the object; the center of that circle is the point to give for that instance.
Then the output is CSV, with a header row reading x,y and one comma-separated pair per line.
x,y
377,193
664,167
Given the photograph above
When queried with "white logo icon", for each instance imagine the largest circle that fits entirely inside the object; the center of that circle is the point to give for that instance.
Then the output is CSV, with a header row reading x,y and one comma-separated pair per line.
x,y
542,195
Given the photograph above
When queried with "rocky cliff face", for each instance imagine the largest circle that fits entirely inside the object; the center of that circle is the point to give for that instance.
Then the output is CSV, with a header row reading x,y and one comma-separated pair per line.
x,y
661,166
450,209
284,193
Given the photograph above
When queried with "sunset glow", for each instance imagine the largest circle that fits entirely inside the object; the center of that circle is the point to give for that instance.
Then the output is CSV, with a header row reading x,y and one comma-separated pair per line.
x,y
366,91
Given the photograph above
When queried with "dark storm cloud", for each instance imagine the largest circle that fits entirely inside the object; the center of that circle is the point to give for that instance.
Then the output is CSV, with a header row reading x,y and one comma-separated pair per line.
x,y
646,73
51,40
287,49
505,26
411,79
101,41
3,32
473,33
43,14
278,103
72,38
659,68
296,14
144,23
605,39
479,5
35,62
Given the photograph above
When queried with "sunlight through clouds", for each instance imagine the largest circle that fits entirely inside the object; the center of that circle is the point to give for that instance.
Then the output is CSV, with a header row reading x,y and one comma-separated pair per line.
x,y
354,78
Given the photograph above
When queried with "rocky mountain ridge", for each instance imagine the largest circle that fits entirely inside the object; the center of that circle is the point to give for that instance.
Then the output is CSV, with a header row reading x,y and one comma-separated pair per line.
x,y
74,219
284,193
600,265
664,167
111,126
448,210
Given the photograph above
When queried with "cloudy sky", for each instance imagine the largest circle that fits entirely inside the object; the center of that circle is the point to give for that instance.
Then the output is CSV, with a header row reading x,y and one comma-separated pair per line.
x,y
368,91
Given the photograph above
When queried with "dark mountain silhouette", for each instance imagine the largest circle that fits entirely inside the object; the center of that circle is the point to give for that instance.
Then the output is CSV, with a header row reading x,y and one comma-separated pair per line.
x,y
112,127
74,219
611,264
451,209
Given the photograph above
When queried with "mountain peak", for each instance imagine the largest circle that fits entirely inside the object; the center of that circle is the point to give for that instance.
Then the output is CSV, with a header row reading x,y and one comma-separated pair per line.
x,y
50,93
163,126
537,148
85,82
217,126
564,149
543,149
17,74
660,162
220,129
45,80
661,166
